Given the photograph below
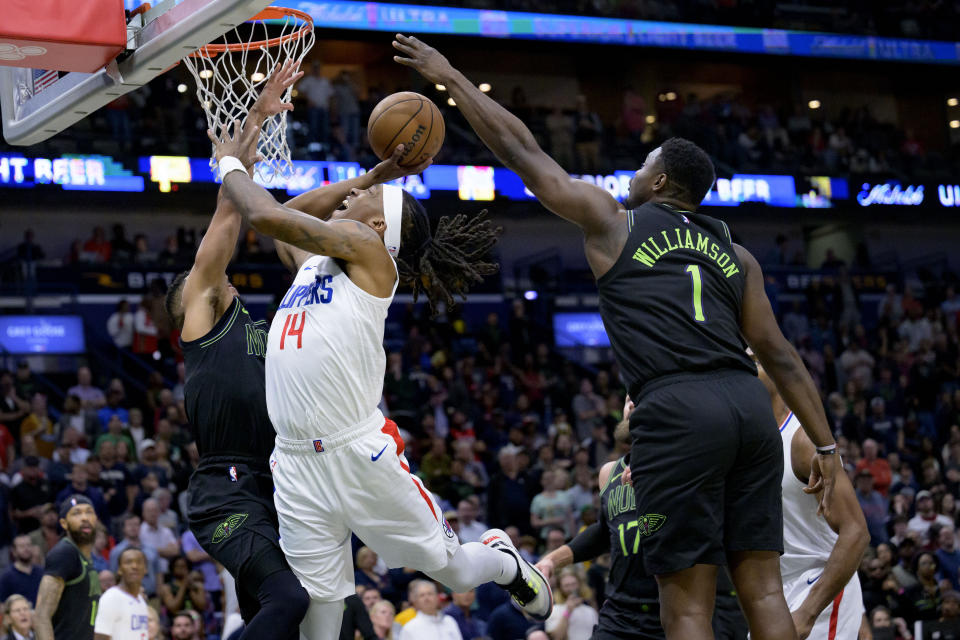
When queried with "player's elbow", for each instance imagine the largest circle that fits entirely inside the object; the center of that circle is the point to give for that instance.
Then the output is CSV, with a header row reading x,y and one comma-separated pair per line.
x,y
858,535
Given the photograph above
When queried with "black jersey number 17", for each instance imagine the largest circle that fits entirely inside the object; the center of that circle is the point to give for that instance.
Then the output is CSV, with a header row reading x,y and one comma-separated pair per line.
x,y
694,271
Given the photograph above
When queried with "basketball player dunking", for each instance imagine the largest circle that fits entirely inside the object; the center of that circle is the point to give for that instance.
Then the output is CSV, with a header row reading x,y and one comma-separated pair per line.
x,y
338,465
676,294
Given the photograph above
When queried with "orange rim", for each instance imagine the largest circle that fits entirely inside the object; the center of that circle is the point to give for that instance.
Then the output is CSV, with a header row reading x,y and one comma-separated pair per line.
x,y
270,13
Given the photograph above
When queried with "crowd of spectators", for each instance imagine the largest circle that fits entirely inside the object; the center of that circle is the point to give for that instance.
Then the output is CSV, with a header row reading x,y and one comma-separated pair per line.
x,y
741,133
506,432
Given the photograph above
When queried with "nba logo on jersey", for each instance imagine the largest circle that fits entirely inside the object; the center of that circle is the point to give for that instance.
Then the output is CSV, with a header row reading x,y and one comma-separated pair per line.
x,y
686,220
318,446
233,474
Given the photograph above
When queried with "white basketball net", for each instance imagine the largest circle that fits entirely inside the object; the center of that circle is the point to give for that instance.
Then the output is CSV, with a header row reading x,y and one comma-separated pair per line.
x,y
228,84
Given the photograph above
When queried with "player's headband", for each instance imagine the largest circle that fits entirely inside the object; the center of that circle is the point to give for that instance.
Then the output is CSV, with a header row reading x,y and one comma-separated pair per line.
x,y
71,502
392,215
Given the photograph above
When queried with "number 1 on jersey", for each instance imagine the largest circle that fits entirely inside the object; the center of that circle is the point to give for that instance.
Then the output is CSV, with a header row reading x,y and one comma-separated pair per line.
x,y
694,271
290,329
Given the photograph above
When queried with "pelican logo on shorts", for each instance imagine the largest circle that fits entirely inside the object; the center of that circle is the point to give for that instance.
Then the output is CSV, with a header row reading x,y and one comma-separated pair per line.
x,y
318,446
226,528
649,523
233,474
447,529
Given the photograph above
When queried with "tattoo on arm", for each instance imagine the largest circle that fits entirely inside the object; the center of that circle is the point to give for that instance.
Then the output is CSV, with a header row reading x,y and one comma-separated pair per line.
x,y
48,599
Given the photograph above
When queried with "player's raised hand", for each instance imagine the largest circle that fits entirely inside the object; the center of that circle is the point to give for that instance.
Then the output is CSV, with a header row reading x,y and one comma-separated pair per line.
x,y
271,100
428,61
390,168
242,145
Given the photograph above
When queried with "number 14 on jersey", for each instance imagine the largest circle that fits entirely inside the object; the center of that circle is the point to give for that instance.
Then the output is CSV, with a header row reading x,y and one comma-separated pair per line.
x,y
291,329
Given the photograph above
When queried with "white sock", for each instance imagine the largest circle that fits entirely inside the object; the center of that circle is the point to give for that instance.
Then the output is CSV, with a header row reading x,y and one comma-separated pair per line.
x,y
475,564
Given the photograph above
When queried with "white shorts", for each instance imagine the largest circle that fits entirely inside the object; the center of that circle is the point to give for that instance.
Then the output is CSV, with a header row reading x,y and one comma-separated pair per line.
x,y
841,619
355,481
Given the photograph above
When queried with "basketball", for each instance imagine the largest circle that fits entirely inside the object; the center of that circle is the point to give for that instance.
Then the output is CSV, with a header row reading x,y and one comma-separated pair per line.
x,y
410,119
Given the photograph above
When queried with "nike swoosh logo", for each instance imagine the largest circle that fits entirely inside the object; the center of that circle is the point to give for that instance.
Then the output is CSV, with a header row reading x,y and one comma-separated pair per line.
x,y
374,458
809,581
611,480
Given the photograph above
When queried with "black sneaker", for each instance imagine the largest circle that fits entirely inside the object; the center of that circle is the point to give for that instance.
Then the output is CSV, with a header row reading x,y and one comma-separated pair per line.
x,y
529,589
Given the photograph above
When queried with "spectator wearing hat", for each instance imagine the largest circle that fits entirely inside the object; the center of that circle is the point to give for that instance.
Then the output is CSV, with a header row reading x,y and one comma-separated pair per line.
x,y
926,515
882,475
150,462
873,504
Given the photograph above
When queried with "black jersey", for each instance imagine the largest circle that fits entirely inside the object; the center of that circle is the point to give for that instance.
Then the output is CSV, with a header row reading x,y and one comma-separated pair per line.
x,y
225,387
77,610
628,586
671,302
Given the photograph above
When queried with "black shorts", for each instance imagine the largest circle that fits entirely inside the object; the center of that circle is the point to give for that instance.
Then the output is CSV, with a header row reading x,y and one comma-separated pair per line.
x,y
640,621
231,512
707,464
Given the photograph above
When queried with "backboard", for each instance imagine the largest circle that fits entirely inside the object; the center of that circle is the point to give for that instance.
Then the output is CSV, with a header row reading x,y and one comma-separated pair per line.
x,y
157,39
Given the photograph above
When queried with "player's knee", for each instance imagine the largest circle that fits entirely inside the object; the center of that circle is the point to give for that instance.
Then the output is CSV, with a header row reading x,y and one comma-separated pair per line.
x,y
286,596
295,603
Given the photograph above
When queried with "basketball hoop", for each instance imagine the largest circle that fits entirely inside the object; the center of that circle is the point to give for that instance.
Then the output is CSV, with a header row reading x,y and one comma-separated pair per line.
x,y
229,73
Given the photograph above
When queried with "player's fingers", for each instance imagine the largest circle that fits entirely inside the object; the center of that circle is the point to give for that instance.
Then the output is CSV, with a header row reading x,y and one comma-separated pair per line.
x,y
399,46
407,62
397,154
212,137
293,78
420,168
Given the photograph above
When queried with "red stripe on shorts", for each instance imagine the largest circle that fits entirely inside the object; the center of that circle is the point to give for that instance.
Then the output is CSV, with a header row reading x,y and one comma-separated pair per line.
x,y
834,615
390,429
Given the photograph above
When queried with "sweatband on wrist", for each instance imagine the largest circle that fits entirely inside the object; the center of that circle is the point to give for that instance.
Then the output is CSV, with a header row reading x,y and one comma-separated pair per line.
x,y
828,450
393,217
228,164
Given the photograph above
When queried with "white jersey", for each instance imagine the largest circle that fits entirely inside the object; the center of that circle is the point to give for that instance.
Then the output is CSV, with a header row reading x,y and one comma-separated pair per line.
x,y
121,616
807,543
325,359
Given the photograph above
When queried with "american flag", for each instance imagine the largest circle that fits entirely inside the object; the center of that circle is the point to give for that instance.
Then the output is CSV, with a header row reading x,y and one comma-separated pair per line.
x,y
43,78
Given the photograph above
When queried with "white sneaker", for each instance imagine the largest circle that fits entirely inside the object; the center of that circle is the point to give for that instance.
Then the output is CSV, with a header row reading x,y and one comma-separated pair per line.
x,y
529,589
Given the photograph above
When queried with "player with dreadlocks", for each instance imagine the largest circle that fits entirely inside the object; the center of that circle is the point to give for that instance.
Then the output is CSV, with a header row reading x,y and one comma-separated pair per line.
x,y
338,465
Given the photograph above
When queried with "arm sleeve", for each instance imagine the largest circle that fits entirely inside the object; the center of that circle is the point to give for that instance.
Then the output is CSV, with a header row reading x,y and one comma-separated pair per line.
x,y
63,562
590,543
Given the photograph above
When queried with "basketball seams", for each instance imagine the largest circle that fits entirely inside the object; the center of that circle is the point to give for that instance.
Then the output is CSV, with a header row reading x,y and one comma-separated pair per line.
x,y
402,127
426,138
380,115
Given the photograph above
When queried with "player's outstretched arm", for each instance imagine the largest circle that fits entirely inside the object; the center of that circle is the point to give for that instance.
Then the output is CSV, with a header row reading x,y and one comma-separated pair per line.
x,y
204,293
846,519
322,201
590,543
786,369
48,599
586,205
